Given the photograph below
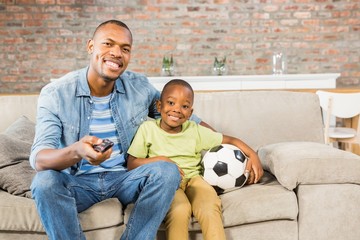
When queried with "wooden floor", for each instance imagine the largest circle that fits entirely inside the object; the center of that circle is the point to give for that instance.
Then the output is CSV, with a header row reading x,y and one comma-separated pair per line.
x,y
356,149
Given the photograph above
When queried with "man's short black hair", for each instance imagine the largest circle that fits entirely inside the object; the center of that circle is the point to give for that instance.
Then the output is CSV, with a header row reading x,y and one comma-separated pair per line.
x,y
113,21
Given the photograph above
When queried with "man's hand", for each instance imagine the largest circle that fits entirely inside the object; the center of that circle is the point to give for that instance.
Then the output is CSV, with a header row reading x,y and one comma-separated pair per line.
x,y
85,148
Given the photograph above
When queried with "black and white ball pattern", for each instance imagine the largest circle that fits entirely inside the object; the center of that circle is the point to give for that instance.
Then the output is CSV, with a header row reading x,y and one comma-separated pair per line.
x,y
224,167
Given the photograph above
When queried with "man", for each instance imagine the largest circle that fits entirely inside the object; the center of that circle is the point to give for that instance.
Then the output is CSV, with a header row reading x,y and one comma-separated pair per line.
x,y
77,112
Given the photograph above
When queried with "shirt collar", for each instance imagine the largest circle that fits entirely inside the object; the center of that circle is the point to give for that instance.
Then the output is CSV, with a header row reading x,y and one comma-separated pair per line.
x,y
83,88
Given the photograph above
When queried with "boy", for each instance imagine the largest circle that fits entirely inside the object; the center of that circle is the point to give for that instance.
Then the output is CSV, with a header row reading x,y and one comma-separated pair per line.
x,y
173,138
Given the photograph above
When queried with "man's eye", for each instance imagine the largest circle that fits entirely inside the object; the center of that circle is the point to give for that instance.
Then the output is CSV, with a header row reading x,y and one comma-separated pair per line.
x,y
107,44
127,50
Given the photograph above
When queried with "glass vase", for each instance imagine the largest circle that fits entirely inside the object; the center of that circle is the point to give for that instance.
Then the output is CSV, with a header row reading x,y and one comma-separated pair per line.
x,y
219,66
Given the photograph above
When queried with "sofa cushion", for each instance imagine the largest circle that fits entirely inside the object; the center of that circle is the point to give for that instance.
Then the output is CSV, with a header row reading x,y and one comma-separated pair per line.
x,y
16,105
265,201
15,145
19,214
296,163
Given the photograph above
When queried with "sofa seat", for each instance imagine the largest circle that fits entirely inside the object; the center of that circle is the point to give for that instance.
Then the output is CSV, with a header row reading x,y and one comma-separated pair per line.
x,y
19,214
271,200
262,202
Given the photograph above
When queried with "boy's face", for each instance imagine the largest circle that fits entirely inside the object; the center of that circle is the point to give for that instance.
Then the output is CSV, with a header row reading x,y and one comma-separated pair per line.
x,y
175,107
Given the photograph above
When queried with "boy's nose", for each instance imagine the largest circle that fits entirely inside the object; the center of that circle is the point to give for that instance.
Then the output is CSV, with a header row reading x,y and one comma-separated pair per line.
x,y
176,108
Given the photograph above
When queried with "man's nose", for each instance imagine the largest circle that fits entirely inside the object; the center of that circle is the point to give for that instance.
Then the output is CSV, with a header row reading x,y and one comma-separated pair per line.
x,y
116,51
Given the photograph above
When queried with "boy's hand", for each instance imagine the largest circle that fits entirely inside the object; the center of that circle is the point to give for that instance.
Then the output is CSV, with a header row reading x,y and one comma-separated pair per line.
x,y
255,169
166,159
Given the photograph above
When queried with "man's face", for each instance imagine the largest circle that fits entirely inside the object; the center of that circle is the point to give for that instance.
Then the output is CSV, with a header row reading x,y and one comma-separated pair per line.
x,y
110,51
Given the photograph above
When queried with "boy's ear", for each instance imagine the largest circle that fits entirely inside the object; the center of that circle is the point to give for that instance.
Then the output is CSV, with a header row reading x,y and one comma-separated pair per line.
x,y
158,105
192,110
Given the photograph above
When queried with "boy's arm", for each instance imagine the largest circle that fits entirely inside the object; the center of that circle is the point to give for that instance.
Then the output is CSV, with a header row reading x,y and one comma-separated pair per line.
x,y
133,162
254,164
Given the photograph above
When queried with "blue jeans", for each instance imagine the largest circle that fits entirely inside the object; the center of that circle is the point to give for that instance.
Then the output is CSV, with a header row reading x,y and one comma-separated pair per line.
x,y
59,197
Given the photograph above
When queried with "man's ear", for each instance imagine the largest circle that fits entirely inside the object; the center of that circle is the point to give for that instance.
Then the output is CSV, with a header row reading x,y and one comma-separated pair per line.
x,y
90,46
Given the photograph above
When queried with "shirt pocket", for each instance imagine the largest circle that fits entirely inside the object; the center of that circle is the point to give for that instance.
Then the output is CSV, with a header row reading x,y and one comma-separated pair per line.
x,y
140,117
70,133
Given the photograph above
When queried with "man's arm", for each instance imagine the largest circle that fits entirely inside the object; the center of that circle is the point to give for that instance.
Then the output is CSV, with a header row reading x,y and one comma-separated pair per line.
x,y
59,159
202,123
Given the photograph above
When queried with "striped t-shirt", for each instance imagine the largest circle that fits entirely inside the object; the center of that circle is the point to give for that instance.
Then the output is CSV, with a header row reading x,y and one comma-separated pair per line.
x,y
102,126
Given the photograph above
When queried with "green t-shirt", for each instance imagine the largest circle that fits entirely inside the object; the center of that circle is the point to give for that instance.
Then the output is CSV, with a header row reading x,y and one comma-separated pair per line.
x,y
184,148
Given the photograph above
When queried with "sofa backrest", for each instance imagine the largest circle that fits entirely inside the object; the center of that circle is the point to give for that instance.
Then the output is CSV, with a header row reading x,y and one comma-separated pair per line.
x,y
14,106
262,117
256,117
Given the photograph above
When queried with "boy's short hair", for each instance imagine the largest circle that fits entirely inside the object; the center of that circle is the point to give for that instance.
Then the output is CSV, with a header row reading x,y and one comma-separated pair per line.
x,y
180,82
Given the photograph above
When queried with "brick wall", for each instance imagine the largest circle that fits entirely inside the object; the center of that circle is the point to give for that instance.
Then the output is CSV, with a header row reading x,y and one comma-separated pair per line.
x,y
43,39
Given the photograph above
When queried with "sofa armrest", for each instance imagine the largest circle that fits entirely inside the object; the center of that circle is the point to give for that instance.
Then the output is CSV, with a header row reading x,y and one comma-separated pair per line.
x,y
294,163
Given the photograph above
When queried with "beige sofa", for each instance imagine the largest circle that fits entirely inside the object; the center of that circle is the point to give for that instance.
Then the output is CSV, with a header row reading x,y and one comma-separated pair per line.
x,y
310,191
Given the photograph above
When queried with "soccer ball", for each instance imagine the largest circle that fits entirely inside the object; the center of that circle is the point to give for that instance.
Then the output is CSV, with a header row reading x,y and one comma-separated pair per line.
x,y
224,168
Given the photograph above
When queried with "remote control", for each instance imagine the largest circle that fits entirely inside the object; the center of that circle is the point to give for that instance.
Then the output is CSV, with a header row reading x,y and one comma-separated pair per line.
x,y
102,147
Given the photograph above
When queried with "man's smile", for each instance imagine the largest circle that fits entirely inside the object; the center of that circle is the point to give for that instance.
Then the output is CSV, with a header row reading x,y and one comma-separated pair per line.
x,y
116,65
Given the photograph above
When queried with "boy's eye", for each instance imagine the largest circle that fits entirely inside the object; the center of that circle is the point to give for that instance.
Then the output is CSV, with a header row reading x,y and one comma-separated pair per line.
x,y
186,106
170,103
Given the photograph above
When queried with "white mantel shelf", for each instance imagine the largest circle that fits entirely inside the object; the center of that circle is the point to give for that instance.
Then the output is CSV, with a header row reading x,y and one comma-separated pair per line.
x,y
252,82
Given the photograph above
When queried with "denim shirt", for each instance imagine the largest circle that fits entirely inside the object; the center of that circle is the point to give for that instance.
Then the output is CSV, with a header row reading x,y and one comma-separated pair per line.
x,y
65,108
